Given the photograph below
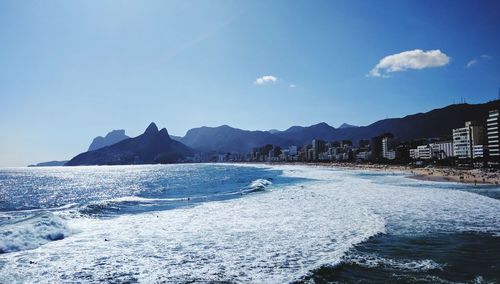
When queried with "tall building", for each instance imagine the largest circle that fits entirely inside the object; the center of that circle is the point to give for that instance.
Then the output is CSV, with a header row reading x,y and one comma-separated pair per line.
x,y
376,148
465,138
318,146
492,124
388,148
305,153
442,150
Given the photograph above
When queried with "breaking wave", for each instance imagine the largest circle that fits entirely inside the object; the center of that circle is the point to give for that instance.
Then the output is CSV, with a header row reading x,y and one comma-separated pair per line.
x,y
258,185
32,232
275,237
127,204
374,261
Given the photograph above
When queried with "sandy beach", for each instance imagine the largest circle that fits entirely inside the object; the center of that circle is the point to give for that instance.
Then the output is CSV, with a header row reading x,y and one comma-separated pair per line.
x,y
475,176
439,174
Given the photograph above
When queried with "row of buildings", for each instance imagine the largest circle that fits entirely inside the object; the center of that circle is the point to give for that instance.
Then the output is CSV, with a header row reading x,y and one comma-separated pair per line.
x,y
474,144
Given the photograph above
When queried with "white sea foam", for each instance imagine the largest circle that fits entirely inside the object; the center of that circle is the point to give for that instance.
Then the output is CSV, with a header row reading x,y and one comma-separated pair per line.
x,y
274,237
372,261
114,204
409,209
32,232
137,199
258,185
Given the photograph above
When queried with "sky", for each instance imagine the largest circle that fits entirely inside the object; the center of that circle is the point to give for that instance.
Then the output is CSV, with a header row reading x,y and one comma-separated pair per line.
x,y
74,70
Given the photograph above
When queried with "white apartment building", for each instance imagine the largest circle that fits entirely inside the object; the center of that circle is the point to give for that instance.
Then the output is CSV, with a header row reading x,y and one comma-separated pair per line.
x,y
442,150
439,150
478,151
387,153
424,152
492,124
464,140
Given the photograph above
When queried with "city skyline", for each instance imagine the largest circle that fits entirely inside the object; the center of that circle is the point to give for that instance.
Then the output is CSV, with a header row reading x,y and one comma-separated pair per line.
x,y
76,70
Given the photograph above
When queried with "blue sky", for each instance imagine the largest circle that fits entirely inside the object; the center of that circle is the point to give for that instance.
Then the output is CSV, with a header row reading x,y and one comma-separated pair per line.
x,y
73,70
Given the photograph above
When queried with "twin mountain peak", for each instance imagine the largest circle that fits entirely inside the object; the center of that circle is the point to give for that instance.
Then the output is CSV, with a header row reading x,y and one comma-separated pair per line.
x,y
152,147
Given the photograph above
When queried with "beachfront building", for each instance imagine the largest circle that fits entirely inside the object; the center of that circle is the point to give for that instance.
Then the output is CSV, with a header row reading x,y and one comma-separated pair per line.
x,y
479,154
388,148
363,155
413,154
492,124
318,147
303,153
376,148
478,151
465,138
285,155
423,152
438,150
442,150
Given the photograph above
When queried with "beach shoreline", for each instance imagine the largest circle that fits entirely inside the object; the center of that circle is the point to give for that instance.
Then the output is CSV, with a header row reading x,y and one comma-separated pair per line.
x,y
437,174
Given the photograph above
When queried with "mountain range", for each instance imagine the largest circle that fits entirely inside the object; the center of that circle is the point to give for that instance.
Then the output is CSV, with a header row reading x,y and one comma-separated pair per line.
x,y
49,164
437,123
228,139
111,138
152,147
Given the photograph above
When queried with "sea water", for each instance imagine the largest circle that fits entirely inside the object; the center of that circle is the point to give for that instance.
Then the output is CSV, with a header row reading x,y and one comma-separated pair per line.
x,y
243,223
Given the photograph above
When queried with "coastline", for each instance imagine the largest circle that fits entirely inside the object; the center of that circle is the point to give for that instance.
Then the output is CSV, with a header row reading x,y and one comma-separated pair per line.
x,y
437,174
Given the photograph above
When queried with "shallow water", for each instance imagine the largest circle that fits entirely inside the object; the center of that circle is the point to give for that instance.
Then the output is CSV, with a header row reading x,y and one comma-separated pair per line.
x,y
182,223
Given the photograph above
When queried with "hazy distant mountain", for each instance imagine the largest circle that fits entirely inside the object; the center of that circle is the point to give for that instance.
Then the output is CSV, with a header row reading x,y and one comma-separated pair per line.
x,y
345,125
176,138
111,138
151,147
49,164
228,139
301,135
273,131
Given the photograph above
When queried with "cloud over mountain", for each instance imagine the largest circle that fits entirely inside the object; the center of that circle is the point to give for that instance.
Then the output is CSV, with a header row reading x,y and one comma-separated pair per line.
x,y
412,59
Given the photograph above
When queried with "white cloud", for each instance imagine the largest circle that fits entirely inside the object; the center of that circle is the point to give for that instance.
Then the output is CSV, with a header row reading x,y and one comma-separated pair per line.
x,y
292,86
265,80
412,59
470,63
474,61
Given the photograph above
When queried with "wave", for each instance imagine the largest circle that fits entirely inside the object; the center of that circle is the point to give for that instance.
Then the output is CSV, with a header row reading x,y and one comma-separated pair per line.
x,y
258,185
275,237
113,206
31,232
375,261
259,238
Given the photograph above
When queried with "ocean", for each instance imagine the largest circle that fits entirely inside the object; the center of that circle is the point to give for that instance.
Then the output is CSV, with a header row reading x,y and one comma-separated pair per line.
x,y
212,223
